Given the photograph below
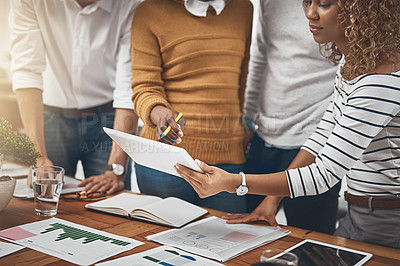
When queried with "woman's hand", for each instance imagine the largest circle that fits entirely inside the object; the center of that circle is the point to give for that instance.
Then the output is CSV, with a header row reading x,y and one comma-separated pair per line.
x,y
162,117
264,212
211,182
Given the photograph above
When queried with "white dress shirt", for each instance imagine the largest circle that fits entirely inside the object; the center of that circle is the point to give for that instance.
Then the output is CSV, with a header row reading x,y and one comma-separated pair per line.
x,y
79,57
199,8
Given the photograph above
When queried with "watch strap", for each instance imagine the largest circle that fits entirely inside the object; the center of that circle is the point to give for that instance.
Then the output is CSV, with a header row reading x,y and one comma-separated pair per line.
x,y
243,178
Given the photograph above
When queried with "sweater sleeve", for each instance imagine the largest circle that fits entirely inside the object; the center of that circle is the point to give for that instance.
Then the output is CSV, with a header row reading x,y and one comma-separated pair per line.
x,y
147,84
369,108
257,66
245,62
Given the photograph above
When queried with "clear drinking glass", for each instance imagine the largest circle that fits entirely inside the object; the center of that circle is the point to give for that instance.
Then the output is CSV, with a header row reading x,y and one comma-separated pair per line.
x,y
278,257
47,184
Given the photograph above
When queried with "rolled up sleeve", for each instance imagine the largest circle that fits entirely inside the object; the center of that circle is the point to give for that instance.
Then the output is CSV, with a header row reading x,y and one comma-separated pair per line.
x,y
27,47
123,91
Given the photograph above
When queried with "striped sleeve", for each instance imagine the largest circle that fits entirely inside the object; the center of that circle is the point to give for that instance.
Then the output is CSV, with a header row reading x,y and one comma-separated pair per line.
x,y
318,139
365,113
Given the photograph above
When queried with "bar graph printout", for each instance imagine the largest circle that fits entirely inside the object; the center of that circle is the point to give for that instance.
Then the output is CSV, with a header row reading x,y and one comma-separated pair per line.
x,y
164,255
69,241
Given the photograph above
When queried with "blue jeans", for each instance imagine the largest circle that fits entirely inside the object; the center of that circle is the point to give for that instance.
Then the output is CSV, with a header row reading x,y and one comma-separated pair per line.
x,y
69,140
313,212
164,185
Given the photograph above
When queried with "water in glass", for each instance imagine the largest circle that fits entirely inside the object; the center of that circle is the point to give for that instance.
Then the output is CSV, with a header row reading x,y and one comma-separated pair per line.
x,y
47,193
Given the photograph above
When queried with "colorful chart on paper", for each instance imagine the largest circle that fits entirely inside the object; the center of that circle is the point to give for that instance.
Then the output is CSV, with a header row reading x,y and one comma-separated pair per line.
x,y
69,241
161,256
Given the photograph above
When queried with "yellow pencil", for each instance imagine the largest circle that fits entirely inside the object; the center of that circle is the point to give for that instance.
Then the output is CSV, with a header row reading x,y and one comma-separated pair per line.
x,y
169,127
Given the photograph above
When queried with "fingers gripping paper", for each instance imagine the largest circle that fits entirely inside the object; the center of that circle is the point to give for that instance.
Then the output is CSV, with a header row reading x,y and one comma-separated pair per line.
x,y
152,154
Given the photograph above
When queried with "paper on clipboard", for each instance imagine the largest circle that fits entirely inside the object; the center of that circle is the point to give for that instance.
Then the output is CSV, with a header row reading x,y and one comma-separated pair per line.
x,y
152,154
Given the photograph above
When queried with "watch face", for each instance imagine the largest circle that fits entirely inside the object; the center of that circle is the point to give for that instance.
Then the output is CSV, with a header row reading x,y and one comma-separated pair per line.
x,y
241,190
118,169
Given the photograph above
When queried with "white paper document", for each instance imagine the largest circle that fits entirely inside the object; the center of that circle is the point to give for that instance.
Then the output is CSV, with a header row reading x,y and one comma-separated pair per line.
x,y
214,238
163,255
14,170
8,248
152,154
69,241
22,190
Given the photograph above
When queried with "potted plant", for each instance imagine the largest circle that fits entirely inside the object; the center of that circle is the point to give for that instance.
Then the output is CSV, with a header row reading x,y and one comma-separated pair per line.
x,y
18,148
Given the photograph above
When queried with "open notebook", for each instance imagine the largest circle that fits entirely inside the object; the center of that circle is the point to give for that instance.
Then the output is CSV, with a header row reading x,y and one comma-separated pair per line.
x,y
169,211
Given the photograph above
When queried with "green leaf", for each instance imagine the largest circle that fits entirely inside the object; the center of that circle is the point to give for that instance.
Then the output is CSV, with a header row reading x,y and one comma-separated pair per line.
x,y
17,146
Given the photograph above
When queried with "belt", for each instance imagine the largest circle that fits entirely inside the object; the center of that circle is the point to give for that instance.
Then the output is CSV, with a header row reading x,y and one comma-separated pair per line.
x,y
77,113
373,202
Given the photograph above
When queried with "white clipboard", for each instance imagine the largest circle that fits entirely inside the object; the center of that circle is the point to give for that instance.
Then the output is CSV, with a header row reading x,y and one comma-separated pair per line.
x,y
152,154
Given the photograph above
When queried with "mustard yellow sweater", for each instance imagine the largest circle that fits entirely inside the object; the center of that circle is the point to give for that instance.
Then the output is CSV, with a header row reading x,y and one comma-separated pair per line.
x,y
197,66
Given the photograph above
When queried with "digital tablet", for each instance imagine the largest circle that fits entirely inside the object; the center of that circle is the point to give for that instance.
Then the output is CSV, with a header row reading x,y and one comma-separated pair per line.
x,y
315,253
152,154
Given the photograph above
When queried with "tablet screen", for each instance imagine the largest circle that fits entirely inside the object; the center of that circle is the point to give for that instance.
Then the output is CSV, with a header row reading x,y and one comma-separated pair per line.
x,y
311,252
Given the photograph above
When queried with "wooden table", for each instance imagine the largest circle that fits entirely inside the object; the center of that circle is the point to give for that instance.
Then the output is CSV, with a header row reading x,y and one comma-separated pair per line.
x,y
19,212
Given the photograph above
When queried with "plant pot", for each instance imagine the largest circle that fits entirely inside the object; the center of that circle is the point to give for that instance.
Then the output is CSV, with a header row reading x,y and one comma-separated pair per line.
x,y
7,186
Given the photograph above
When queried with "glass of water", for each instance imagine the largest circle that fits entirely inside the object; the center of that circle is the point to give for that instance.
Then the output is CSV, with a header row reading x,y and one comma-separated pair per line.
x,y
278,257
47,184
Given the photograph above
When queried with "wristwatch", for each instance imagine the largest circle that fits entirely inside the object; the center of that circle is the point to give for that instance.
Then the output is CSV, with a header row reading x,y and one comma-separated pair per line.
x,y
117,169
249,124
242,189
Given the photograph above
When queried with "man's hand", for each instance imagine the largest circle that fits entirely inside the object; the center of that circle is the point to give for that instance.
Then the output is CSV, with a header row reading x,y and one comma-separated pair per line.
x,y
108,183
264,212
42,161
163,117
248,136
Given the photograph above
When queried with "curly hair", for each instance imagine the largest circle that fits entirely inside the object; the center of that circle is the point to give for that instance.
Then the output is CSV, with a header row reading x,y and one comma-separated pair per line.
x,y
373,31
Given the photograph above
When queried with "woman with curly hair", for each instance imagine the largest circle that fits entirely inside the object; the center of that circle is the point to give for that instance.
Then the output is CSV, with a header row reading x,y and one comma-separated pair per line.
x,y
358,137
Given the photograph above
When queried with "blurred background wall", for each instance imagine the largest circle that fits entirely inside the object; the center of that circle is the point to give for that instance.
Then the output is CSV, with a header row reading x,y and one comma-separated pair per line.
x,y
8,101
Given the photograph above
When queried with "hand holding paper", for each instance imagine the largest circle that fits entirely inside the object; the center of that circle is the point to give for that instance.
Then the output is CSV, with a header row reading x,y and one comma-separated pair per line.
x,y
153,154
211,182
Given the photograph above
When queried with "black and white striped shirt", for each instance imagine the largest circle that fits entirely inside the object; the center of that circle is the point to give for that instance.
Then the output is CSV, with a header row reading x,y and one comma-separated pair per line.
x,y
357,138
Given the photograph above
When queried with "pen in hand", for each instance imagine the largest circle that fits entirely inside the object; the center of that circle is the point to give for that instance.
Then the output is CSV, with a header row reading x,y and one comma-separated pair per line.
x,y
169,127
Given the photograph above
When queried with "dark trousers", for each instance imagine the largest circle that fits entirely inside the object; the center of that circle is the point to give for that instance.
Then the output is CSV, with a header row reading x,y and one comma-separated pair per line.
x,y
69,140
316,213
153,182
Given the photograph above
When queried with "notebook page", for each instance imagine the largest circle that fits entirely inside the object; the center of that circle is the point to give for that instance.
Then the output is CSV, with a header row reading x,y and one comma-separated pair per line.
x,y
124,201
175,211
